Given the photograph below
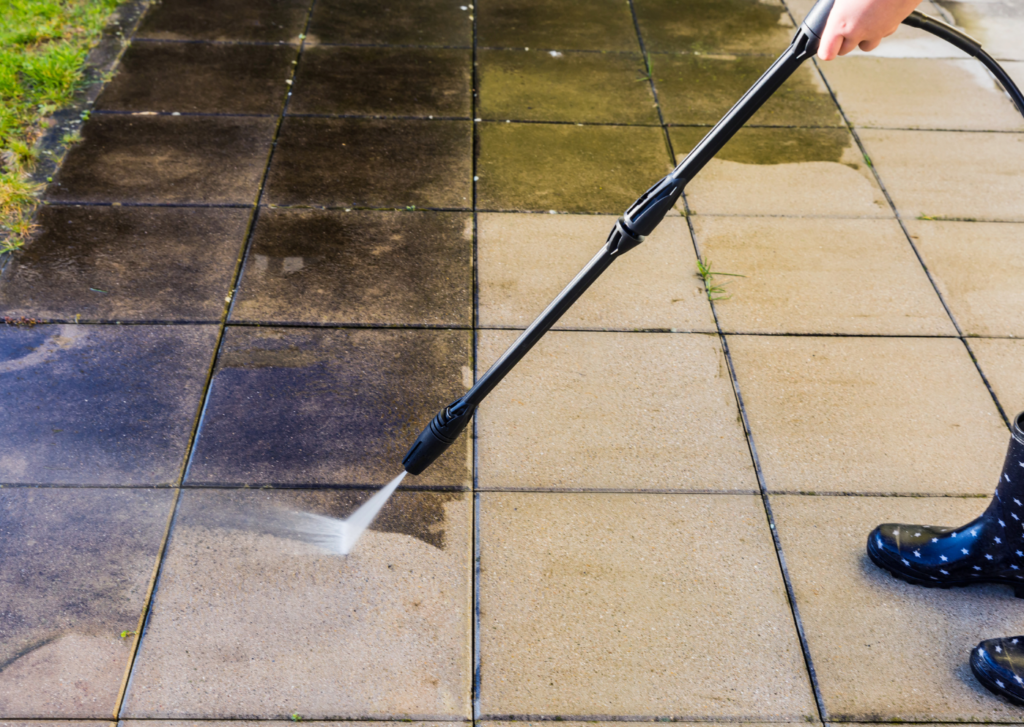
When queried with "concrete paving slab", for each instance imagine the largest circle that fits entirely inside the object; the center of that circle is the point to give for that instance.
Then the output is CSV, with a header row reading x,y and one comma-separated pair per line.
x,y
806,172
126,264
997,25
384,82
314,406
252,619
885,650
392,163
166,160
536,85
361,268
200,78
100,405
700,90
978,267
916,93
626,605
950,175
55,723
605,25
1002,361
267,21
392,22
819,276
276,723
623,411
715,26
871,415
75,574
567,168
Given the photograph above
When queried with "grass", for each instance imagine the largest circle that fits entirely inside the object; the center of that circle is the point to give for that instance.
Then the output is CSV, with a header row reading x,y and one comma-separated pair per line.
x,y
706,274
43,44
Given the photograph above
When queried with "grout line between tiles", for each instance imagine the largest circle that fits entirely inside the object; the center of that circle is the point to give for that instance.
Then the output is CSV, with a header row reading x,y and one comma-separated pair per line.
x,y
475,660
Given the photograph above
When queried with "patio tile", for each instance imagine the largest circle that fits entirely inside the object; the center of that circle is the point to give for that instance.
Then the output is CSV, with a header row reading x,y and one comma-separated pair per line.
x,y
1002,361
998,25
392,22
567,168
126,264
912,415
555,86
329,406
623,411
697,89
715,26
270,21
256,617
916,93
200,77
605,25
372,163
585,611
166,159
819,276
384,82
75,572
949,174
100,405
654,286
817,172
884,650
978,267
363,268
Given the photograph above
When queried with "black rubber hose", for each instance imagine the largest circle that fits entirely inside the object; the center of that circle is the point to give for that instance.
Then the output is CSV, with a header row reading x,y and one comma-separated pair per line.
x,y
970,46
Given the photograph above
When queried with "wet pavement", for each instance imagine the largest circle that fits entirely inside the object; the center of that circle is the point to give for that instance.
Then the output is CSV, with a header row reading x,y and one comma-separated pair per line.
x,y
294,230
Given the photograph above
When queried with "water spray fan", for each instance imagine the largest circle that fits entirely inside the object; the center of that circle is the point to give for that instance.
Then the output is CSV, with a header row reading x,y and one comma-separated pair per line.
x,y
644,215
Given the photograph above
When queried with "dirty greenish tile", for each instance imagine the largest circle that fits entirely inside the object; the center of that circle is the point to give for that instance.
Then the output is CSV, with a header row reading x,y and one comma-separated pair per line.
x,y
884,650
868,415
372,163
363,268
585,611
166,159
257,614
601,25
200,77
815,275
1001,360
715,26
978,267
268,21
555,86
54,723
916,93
763,171
74,576
999,26
384,82
654,286
611,410
392,22
125,264
295,407
567,168
950,175
203,722
100,405
699,90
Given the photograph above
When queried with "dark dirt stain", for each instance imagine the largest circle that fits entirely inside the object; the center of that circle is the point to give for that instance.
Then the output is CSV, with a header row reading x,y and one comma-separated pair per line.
x,y
393,22
258,20
714,26
773,146
578,25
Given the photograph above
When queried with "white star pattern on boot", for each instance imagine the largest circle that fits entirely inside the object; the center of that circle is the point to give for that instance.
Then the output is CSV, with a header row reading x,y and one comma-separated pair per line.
x,y
977,568
974,531
1002,524
999,649
905,561
943,558
1018,679
944,572
997,540
964,551
988,557
917,553
1001,685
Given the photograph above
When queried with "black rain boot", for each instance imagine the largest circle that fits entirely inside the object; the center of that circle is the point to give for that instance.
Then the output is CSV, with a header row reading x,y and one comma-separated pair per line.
x,y
987,550
999,666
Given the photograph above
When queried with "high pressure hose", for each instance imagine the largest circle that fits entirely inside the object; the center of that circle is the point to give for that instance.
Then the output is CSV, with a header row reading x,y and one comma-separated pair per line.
x,y
647,212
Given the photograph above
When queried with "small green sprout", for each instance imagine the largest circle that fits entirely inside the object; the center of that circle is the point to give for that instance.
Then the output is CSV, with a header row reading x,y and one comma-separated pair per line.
x,y
125,634
296,717
707,276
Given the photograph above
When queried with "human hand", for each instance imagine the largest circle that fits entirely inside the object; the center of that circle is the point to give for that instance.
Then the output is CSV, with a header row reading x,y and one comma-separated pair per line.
x,y
861,23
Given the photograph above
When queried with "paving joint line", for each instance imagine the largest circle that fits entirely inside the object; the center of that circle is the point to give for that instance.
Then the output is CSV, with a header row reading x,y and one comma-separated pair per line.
x,y
476,659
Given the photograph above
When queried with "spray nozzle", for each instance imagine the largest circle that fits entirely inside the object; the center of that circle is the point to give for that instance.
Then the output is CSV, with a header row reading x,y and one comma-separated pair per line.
x,y
437,436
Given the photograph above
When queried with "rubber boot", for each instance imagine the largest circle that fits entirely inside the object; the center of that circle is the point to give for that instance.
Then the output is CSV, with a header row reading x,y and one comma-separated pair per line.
x,y
999,666
989,549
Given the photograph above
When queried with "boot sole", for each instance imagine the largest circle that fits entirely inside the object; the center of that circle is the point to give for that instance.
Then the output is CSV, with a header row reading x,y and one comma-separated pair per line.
x,y
1018,588
989,683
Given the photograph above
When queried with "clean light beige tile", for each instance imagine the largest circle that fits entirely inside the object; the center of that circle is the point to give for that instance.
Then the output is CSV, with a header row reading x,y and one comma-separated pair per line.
x,y
635,605
819,276
629,411
916,93
997,24
979,267
1002,361
833,414
949,174
263,723
524,261
768,171
884,650
255,617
